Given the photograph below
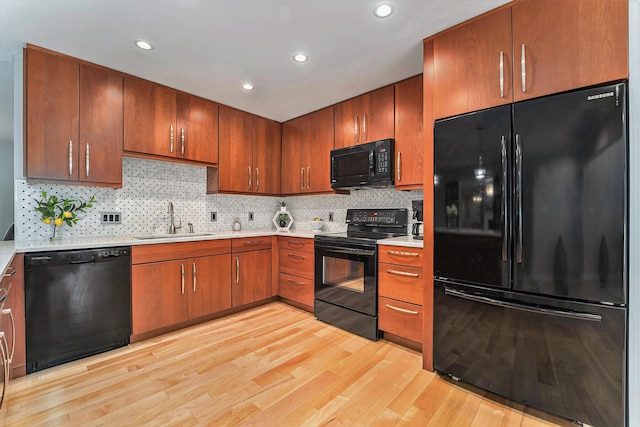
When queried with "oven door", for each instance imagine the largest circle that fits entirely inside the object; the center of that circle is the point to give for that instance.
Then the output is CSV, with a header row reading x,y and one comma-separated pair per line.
x,y
345,275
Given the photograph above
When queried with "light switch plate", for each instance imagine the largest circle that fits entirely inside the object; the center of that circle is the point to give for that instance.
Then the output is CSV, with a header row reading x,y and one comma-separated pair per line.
x,y
214,216
110,217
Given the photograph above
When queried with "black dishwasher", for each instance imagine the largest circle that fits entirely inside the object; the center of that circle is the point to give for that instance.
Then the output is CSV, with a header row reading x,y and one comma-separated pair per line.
x,y
77,303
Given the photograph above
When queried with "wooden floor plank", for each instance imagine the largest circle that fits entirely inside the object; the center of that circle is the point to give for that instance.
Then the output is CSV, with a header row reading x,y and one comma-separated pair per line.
x,y
273,365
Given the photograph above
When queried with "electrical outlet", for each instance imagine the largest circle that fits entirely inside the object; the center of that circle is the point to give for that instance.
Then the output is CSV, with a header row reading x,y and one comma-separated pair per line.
x,y
250,216
214,216
110,218
330,216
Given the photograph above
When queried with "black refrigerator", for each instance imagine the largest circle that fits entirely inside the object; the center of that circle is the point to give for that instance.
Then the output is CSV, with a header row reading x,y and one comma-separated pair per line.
x,y
530,252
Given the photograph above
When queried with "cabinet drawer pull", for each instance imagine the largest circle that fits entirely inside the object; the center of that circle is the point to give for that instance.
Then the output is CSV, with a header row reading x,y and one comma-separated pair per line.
x,y
403,273
70,158
182,141
296,243
523,69
296,256
237,270
13,333
295,282
171,138
402,310
86,160
10,271
253,242
195,274
412,254
182,275
501,74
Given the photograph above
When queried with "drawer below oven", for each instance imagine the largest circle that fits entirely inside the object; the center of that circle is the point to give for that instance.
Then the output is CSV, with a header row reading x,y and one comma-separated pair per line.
x,y
400,318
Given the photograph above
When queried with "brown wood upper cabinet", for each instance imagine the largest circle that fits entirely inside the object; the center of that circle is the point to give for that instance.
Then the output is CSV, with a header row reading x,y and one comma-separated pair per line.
x,y
306,144
160,121
74,120
532,49
408,133
249,153
365,118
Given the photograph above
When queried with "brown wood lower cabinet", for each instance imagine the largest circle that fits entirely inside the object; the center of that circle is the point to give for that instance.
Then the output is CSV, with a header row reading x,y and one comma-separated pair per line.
x,y
400,291
251,262
14,329
296,265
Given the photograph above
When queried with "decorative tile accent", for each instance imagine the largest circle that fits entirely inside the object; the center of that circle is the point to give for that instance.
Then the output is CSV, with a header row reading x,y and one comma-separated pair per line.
x,y
148,186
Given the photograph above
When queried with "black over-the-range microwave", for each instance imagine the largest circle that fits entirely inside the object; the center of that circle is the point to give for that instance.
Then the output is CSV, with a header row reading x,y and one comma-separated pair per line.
x,y
364,165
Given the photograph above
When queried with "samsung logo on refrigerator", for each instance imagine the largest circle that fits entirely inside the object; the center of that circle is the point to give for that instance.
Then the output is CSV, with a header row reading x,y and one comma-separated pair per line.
x,y
600,96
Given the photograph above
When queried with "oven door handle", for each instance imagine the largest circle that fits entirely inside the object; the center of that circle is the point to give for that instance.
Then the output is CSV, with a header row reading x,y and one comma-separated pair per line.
x,y
349,251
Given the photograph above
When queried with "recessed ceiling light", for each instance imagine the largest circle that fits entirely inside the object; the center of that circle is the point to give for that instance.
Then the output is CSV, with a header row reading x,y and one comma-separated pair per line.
x,y
248,86
143,44
383,10
300,57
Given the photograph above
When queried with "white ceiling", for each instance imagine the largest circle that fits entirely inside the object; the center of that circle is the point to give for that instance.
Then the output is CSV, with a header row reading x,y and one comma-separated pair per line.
x,y
210,47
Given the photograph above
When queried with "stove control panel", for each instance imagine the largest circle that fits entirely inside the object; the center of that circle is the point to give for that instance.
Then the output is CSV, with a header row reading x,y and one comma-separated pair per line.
x,y
377,216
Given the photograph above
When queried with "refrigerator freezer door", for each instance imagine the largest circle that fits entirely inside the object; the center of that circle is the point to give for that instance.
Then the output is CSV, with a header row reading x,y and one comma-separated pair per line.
x,y
471,214
570,160
564,358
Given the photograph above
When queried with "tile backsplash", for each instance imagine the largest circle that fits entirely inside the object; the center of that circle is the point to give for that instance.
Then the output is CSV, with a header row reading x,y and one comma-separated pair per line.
x,y
148,186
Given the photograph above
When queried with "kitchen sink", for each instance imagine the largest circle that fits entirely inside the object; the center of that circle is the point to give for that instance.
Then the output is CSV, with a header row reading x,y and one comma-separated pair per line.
x,y
171,236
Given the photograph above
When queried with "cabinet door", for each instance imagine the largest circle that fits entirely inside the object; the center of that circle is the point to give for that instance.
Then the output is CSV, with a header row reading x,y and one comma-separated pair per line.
x,y
377,115
408,132
209,289
468,63
292,155
251,277
196,128
348,123
149,118
101,125
568,44
52,85
158,295
15,301
316,151
235,168
266,156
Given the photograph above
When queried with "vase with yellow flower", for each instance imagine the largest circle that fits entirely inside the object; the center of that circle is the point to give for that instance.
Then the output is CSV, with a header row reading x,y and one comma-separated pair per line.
x,y
61,211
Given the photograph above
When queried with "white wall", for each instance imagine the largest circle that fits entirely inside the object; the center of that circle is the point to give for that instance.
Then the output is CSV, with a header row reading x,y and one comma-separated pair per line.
x,y
6,146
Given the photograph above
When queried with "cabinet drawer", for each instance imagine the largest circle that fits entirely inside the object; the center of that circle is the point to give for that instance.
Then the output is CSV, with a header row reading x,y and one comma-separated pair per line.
x,y
296,263
412,257
295,243
295,288
400,318
169,251
250,244
400,282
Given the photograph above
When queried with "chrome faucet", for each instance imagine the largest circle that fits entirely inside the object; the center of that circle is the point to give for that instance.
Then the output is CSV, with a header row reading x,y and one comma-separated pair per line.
x,y
172,226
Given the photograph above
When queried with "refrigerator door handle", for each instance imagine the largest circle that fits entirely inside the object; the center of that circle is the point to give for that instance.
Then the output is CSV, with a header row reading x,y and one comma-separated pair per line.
x,y
531,309
519,199
504,199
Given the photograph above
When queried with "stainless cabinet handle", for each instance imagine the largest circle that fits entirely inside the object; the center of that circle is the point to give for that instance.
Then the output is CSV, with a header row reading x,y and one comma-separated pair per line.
x,y
403,273
398,165
518,193
12,270
501,74
296,256
195,275
5,366
296,243
523,69
308,177
70,158
182,272
364,127
294,282
237,270
412,254
182,141
86,160
249,184
7,311
302,178
257,179
171,138
504,199
403,310
356,129
253,242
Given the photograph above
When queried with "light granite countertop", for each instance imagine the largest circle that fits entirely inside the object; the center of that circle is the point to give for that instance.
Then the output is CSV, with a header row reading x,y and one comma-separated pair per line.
x,y
406,241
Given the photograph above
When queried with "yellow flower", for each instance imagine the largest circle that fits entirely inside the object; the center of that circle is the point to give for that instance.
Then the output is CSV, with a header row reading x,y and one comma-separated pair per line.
x,y
67,214
47,220
58,222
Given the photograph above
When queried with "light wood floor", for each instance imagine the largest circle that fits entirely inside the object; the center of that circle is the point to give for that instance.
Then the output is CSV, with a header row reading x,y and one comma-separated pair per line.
x,y
270,366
